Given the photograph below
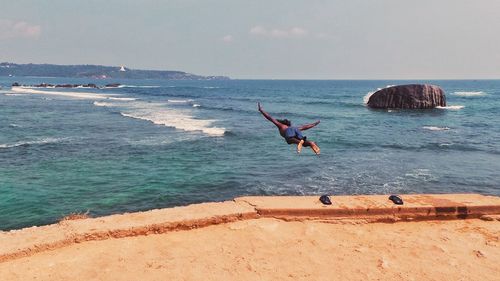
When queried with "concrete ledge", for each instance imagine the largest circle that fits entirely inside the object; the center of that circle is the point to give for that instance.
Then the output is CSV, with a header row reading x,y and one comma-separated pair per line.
x,y
377,207
28,241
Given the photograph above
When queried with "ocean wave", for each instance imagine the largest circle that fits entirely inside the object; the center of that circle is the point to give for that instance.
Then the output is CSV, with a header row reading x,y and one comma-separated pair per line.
x,y
104,104
158,114
193,87
451,107
366,98
32,142
37,87
435,146
196,105
435,128
445,144
161,114
122,99
78,95
158,140
421,174
431,146
225,108
322,102
132,86
469,94
309,116
180,101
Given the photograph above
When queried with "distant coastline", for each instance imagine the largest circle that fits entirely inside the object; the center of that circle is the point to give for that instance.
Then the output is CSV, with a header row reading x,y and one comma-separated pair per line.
x,y
96,71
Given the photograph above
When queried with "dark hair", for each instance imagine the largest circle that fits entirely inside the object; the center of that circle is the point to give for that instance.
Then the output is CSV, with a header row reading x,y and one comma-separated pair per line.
x,y
284,121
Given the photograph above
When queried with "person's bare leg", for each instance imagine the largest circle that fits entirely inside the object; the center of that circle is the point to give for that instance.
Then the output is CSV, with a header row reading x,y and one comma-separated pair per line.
x,y
299,143
313,146
299,146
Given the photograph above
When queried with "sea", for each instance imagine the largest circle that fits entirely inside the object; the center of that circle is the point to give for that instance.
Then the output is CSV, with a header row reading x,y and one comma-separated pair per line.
x,y
154,144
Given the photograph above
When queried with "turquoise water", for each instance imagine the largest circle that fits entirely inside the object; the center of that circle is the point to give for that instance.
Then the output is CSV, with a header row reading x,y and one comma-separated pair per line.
x,y
156,144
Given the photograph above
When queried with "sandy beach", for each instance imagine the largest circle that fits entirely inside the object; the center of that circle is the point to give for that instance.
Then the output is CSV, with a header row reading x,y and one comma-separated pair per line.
x,y
237,244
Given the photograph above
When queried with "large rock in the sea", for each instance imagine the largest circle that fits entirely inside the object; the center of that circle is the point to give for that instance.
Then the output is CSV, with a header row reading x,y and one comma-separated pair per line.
x,y
414,96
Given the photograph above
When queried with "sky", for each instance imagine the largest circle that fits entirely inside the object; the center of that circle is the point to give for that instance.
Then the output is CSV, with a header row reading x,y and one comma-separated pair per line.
x,y
261,39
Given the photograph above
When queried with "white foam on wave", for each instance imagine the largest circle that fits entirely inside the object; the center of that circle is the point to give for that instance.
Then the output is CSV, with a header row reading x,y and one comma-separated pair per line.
x,y
37,87
420,174
451,107
159,114
104,104
132,86
196,105
469,94
180,101
122,99
78,95
366,98
138,86
157,140
435,128
445,144
38,141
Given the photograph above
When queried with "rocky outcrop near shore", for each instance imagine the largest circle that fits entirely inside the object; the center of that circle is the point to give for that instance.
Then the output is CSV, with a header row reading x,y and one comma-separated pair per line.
x,y
413,96
46,85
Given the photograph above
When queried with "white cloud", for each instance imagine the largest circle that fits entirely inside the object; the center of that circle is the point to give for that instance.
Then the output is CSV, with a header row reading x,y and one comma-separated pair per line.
x,y
258,30
227,38
278,33
298,31
18,29
294,32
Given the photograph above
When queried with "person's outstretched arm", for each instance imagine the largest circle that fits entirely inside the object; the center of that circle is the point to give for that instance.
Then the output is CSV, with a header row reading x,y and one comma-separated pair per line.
x,y
269,117
308,126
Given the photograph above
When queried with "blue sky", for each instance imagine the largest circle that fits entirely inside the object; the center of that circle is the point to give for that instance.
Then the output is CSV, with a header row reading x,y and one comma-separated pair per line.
x,y
284,39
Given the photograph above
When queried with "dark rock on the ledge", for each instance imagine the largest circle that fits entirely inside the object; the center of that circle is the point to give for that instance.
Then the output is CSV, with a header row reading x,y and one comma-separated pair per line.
x,y
16,84
414,96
